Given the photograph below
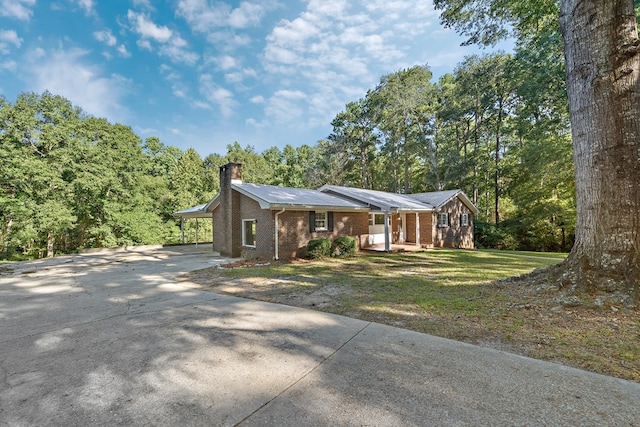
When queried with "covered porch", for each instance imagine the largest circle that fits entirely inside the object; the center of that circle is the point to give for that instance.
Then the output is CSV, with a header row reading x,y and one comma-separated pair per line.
x,y
400,229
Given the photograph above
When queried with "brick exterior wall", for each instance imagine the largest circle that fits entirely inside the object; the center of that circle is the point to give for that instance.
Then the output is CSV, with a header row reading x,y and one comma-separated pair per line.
x,y
454,235
426,229
250,209
294,231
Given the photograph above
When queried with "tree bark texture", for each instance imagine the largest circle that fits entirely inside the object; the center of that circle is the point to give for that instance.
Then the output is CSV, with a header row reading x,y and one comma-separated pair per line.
x,y
602,54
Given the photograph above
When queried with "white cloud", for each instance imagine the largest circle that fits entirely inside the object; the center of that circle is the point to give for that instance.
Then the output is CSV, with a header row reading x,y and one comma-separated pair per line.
x,y
87,5
143,4
176,50
171,44
205,16
9,38
329,7
202,16
122,50
19,9
225,62
240,75
106,37
67,73
178,88
147,29
286,106
9,65
246,15
258,99
201,105
144,44
218,95
336,50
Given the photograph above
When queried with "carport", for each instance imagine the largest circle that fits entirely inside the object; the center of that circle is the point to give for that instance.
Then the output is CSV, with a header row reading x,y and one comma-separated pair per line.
x,y
195,212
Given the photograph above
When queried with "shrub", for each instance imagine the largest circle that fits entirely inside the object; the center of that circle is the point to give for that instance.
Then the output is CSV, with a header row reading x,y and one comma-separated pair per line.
x,y
319,248
344,246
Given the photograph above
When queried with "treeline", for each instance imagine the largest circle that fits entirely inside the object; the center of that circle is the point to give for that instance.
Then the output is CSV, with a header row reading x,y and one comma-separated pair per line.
x,y
497,127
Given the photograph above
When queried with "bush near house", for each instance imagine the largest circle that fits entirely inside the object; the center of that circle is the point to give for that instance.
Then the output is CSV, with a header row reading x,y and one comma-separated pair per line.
x,y
319,248
344,246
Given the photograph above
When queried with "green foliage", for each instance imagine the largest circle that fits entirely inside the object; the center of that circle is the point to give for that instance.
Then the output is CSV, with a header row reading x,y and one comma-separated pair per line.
x,y
292,167
319,248
487,22
492,236
71,181
254,165
344,246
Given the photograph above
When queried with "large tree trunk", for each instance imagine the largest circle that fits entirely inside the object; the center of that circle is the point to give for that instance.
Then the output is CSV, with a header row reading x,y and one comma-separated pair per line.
x,y
602,55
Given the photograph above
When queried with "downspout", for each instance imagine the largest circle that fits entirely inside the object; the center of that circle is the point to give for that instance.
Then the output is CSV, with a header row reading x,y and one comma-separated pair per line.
x,y
275,231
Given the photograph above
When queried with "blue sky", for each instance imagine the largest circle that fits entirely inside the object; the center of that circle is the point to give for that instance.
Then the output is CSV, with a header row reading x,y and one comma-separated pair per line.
x,y
206,73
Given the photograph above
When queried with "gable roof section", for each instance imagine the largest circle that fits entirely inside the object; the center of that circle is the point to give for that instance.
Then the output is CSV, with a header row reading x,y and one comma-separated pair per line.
x,y
440,198
379,200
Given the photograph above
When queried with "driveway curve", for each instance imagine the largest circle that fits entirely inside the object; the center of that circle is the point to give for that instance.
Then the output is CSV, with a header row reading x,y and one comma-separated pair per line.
x,y
112,338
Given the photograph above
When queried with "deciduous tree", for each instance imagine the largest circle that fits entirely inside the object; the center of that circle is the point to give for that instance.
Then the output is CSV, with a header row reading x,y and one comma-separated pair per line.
x,y
602,56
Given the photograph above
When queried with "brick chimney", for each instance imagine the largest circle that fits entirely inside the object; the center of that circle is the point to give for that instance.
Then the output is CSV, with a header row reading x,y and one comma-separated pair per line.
x,y
230,227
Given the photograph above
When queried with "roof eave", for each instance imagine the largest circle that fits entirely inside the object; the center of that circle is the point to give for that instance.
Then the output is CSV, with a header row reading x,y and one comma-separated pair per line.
x,y
276,206
409,210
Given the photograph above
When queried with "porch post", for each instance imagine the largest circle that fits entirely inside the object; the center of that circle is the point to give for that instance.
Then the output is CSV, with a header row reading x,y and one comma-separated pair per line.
x,y
182,228
418,229
387,245
196,232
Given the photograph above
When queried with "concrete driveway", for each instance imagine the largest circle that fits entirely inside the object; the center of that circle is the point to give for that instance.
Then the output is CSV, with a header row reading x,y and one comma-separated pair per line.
x,y
112,339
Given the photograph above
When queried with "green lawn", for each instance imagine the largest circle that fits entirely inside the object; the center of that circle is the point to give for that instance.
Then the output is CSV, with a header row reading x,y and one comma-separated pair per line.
x,y
453,294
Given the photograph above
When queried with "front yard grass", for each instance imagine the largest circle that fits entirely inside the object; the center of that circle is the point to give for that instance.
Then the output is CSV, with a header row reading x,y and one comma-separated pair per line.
x,y
453,294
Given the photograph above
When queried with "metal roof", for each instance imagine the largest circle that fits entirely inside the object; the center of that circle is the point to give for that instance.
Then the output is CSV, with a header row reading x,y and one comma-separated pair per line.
x,y
379,200
440,198
332,197
194,212
272,197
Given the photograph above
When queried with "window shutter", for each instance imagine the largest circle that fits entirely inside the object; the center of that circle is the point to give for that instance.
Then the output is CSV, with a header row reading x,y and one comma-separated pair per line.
x,y
330,221
448,220
312,221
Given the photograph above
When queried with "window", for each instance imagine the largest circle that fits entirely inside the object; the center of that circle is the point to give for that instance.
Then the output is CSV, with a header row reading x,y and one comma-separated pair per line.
x,y
321,221
249,232
464,220
443,219
376,219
